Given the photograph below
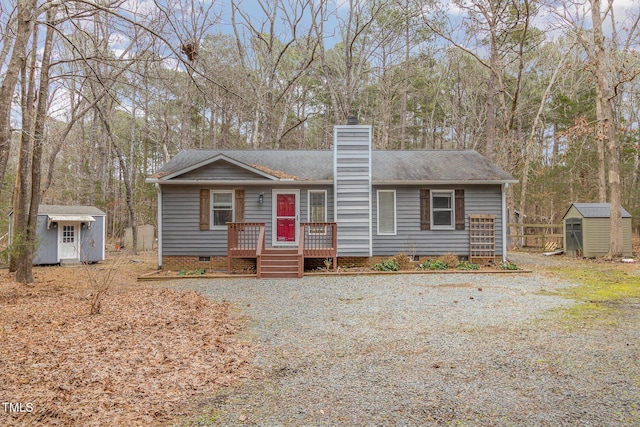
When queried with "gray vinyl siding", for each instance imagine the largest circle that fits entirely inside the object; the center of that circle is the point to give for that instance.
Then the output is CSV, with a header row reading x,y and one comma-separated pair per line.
x,y
411,240
92,240
47,242
180,221
221,170
180,218
352,192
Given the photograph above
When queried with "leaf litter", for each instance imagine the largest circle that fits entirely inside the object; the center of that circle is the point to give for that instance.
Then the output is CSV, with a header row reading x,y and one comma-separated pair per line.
x,y
144,360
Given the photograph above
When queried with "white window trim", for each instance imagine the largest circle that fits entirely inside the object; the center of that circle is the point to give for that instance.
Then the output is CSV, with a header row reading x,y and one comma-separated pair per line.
x,y
451,194
233,208
309,208
395,213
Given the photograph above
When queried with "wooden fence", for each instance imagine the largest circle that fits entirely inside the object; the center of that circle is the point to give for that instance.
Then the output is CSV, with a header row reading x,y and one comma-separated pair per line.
x,y
542,236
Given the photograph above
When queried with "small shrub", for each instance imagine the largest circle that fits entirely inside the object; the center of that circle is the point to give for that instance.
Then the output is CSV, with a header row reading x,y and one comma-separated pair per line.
x,y
449,259
387,265
466,265
403,261
197,271
507,266
100,280
433,265
5,254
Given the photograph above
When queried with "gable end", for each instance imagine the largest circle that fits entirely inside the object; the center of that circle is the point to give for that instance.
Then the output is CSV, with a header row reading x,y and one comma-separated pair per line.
x,y
224,170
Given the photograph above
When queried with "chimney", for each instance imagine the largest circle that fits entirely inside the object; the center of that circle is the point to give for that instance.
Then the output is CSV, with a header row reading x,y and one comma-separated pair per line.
x,y
352,187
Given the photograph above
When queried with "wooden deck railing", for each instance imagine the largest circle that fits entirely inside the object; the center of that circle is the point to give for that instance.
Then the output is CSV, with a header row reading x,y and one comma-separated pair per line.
x,y
259,250
319,240
316,240
243,240
301,251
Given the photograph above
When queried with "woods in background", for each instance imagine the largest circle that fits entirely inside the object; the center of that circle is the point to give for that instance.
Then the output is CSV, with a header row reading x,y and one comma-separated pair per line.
x,y
95,96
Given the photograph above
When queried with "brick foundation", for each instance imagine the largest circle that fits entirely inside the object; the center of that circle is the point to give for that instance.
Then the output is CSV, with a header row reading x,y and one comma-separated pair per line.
x,y
357,261
209,263
248,265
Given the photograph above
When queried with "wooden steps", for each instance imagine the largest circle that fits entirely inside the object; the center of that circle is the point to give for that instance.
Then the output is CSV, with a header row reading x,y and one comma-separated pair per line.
x,y
276,263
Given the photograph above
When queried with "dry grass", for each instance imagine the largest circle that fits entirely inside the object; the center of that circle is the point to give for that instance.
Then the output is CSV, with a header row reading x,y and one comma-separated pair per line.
x,y
403,260
450,259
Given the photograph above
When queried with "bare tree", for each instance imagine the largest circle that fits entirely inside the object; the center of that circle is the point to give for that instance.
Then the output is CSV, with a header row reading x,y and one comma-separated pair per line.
x,y
536,126
26,21
346,66
24,261
609,65
275,51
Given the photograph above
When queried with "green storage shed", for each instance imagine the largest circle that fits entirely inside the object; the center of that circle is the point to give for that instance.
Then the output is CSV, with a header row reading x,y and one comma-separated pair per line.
x,y
587,228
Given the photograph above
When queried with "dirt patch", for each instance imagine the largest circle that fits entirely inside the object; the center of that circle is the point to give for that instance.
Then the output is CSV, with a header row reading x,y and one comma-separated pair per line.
x,y
144,360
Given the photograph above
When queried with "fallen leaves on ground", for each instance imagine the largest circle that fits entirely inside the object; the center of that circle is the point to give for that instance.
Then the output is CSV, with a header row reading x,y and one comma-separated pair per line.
x,y
141,361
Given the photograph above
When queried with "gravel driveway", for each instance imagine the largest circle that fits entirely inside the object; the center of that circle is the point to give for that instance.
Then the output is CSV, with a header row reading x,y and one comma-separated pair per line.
x,y
409,350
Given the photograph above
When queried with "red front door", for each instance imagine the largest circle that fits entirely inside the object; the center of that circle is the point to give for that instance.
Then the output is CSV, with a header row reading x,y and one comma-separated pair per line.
x,y
285,218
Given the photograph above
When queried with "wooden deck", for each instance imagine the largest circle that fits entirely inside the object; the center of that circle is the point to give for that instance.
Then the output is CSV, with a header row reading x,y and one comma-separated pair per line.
x,y
247,240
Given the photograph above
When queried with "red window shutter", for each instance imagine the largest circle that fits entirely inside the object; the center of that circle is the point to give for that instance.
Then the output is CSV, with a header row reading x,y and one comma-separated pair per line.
x,y
205,208
459,209
239,217
425,210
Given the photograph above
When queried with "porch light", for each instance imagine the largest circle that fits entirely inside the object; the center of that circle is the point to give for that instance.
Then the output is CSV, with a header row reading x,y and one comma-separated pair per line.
x,y
261,198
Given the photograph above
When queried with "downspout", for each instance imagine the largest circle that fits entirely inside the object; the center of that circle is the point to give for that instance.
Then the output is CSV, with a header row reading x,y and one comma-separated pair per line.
x,y
504,221
370,194
159,226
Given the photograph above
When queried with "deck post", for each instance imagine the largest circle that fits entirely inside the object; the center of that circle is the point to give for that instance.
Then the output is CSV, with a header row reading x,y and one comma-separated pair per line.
x,y
301,250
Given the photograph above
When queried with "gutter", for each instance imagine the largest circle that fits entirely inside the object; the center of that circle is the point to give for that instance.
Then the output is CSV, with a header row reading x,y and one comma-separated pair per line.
x,y
450,182
289,183
237,182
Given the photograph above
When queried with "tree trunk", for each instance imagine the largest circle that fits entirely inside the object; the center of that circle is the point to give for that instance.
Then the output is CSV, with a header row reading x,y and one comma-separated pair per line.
x,y
132,175
11,73
527,153
24,272
607,131
405,81
21,187
126,174
490,124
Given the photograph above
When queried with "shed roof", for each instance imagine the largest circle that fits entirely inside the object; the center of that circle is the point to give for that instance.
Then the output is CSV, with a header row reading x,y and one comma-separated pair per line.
x,y
68,210
597,210
387,165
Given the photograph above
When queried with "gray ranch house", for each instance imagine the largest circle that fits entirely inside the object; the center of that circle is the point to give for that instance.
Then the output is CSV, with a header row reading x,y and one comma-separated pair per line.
x,y
276,210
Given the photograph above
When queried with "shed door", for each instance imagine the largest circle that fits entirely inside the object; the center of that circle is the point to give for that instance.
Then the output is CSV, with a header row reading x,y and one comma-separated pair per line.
x,y
68,240
574,235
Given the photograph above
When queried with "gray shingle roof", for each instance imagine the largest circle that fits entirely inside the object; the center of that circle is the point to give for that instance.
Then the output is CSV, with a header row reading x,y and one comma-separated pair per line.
x,y
414,165
597,210
68,210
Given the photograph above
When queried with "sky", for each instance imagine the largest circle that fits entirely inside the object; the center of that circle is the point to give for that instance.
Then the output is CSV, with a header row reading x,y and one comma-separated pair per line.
x,y
202,17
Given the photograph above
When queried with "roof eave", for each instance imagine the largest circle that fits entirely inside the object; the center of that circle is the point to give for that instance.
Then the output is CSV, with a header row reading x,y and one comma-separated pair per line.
x,y
281,182
447,182
247,182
